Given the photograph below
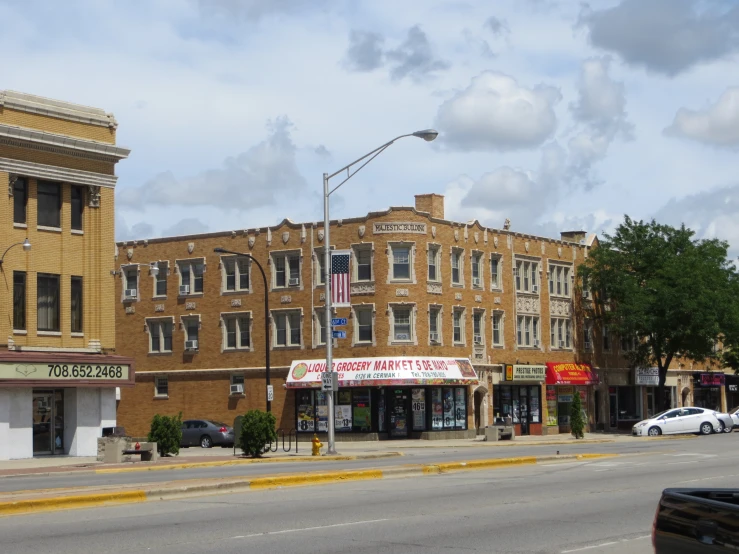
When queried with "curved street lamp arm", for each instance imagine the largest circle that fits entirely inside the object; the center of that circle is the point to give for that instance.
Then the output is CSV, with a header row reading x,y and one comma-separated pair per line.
x,y
8,248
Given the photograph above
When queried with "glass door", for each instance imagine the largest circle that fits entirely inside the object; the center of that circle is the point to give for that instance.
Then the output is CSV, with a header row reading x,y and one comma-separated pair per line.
x,y
524,408
398,413
48,422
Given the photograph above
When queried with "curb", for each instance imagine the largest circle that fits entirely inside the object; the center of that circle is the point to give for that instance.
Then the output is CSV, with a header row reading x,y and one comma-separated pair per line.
x,y
224,486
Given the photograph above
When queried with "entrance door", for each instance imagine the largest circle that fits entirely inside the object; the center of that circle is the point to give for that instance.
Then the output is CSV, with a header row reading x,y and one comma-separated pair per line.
x,y
398,405
48,422
523,397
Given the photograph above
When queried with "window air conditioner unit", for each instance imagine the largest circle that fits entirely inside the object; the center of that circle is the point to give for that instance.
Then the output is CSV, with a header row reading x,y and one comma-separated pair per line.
x,y
475,281
294,282
130,293
237,389
184,289
535,288
478,339
561,344
536,343
191,345
434,337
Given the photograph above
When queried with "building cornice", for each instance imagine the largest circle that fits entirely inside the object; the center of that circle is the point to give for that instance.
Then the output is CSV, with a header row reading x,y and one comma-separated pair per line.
x,y
56,173
56,108
33,139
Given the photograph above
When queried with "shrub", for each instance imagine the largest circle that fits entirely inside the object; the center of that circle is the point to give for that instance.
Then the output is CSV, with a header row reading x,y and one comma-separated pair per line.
x,y
577,423
257,430
166,431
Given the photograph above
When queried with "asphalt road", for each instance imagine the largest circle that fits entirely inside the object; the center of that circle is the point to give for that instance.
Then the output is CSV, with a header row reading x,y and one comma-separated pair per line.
x,y
410,456
599,507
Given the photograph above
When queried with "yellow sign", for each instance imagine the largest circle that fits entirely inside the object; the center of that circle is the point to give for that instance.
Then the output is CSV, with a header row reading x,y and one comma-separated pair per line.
x,y
63,372
508,372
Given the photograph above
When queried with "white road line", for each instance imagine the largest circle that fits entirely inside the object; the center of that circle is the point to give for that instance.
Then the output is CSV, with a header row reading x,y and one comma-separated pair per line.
x,y
606,544
284,531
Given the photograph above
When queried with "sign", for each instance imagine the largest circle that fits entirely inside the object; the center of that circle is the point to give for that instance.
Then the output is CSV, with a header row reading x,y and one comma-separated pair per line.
x,y
570,374
399,227
648,376
385,371
712,379
63,371
340,288
552,420
270,393
343,419
565,394
338,321
338,334
330,382
526,372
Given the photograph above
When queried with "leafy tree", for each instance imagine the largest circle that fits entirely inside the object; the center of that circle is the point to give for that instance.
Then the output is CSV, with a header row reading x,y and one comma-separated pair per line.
x,y
257,430
166,431
674,294
577,422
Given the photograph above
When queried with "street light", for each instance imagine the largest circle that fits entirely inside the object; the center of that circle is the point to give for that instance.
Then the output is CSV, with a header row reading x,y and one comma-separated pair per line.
x,y
266,316
428,135
26,246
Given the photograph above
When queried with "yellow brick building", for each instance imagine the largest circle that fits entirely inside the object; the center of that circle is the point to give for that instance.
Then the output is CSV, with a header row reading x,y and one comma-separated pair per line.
x,y
58,373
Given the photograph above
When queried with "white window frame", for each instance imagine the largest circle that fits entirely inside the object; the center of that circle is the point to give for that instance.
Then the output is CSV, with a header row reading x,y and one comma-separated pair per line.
x,y
411,307
528,331
237,379
184,319
480,257
126,285
356,310
500,316
157,321
411,246
497,284
561,329
526,275
157,380
287,312
356,249
455,250
237,316
286,255
163,267
481,313
433,253
560,280
237,274
461,310
319,318
318,257
438,309
191,281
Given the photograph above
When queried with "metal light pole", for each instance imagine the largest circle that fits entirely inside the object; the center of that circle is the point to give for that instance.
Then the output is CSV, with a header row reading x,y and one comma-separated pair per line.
x,y
427,135
26,247
266,317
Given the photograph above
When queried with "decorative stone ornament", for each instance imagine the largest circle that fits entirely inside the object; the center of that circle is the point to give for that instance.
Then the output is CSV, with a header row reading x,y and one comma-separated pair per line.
x,y
190,247
285,237
320,235
251,240
269,236
433,231
303,234
477,237
361,230
456,235
129,253
495,242
485,236
526,246
543,248
507,224
559,251
11,183
93,193
466,233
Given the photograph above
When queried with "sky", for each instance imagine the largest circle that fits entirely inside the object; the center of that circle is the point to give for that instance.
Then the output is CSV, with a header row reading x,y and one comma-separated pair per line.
x,y
556,114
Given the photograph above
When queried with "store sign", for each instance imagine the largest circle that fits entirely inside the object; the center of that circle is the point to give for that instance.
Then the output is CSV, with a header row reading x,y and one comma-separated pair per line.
x,y
399,227
63,372
712,379
565,394
648,376
525,372
386,371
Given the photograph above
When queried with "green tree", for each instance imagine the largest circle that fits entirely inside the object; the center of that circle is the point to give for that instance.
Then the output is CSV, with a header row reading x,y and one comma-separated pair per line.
x,y
577,422
166,431
672,293
257,430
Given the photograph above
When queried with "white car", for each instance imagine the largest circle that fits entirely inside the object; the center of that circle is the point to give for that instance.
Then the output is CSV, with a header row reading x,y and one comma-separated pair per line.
x,y
735,416
678,420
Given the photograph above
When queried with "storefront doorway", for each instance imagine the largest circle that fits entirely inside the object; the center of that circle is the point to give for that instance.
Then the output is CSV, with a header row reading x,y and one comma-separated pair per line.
x,y
399,407
48,422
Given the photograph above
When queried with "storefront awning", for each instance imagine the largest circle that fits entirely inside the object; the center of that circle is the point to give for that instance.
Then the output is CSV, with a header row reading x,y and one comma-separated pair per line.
x,y
570,374
386,371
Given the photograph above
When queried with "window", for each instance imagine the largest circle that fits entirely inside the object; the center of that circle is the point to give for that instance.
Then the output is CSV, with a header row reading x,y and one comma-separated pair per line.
x,y
287,328
457,256
160,286
49,204
191,325
498,329
235,273
606,339
320,327
161,386
76,304
477,271
363,265
527,332
78,205
19,300
435,325
287,270
559,280
458,326
20,200
363,324
401,262
526,276
433,259
48,302
320,273
401,324
160,335
478,333
237,384
130,281
191,276
587,334
495,272
451,406
237,331
561,332
628,344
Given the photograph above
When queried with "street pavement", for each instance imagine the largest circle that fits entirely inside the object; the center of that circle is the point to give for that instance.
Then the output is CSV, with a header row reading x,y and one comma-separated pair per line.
x,y
603,506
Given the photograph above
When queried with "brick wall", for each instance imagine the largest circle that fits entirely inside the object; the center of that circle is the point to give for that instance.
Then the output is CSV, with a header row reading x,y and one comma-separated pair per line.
x,y
57,125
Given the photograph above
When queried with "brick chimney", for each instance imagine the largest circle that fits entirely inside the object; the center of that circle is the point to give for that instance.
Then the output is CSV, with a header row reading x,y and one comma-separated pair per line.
x,y
431,203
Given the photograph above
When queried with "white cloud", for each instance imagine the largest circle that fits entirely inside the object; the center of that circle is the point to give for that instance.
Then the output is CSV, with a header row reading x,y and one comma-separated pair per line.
x,y
187,226
139,230
496,113
716,125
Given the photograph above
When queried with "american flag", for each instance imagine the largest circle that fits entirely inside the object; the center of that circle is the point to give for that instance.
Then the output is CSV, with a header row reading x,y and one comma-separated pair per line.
x,y
340,278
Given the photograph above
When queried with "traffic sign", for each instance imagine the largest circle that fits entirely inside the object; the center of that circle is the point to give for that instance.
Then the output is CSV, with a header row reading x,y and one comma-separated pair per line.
x,y
330,382
338,321
338,334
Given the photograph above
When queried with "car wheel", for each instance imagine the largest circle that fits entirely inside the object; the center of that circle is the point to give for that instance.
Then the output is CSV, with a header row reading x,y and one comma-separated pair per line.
x,y
654,431
206,441
728,428
706,428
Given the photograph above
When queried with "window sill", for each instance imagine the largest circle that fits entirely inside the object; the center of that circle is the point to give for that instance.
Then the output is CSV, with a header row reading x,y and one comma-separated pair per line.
x,y
288,288
163,297
495,288
130,299
363,282
20,332
366,343
480,287
165,353
20,225
242,395
524,347
530,293
287,347
49,333
500,346
50,229
457,285
234,292
400,342
402,281
78,232
191,295
78,335
559,296
231,350
161,397
459,344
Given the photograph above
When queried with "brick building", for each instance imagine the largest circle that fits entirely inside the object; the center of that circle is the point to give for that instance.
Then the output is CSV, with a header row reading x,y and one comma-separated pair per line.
x,y
58,377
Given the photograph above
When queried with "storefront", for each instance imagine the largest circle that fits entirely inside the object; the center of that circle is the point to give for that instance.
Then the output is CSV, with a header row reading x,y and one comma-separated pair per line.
x,y
707,389
519,397
403,397
58,403
732,392
563,381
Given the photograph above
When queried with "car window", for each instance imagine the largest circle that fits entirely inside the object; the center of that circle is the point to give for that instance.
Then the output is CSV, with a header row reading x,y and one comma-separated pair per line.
x,y
671,414
694,411
202,425
187,424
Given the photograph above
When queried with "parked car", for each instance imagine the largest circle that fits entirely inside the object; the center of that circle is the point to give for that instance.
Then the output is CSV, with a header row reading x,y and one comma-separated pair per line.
x,y
727,424
735,416
678,420
206,433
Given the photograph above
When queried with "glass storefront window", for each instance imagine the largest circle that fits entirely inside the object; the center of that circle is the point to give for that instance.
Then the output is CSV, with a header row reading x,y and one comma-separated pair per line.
x,y
381,411
448,408
343,411
418,397
437,410
361,411
460,408
535,406
552,420
322,411
629,403
306,416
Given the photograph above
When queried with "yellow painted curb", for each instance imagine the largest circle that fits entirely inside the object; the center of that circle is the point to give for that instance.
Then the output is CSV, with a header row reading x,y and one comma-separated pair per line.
x,y
314,479
484,464
594,456
69,502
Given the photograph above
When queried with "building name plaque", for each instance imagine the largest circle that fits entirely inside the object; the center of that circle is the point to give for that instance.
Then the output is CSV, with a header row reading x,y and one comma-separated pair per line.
x,y
399,227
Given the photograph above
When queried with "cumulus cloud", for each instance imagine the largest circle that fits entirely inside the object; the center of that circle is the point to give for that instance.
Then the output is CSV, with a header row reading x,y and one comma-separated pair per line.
x,y
496,113
137,231
187,226
664,36
365,51
252,179
716,125
497,26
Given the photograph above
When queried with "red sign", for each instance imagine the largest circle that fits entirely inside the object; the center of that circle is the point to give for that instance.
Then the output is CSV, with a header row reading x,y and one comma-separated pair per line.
x,y
713,379
570,374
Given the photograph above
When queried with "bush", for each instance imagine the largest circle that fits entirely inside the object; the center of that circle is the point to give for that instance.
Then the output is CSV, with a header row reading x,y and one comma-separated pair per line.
x,y
577,423
257,430
166,431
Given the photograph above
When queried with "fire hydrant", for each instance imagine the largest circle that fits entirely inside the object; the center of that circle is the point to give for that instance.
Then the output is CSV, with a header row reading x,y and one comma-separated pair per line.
x,y
138,446
316,446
